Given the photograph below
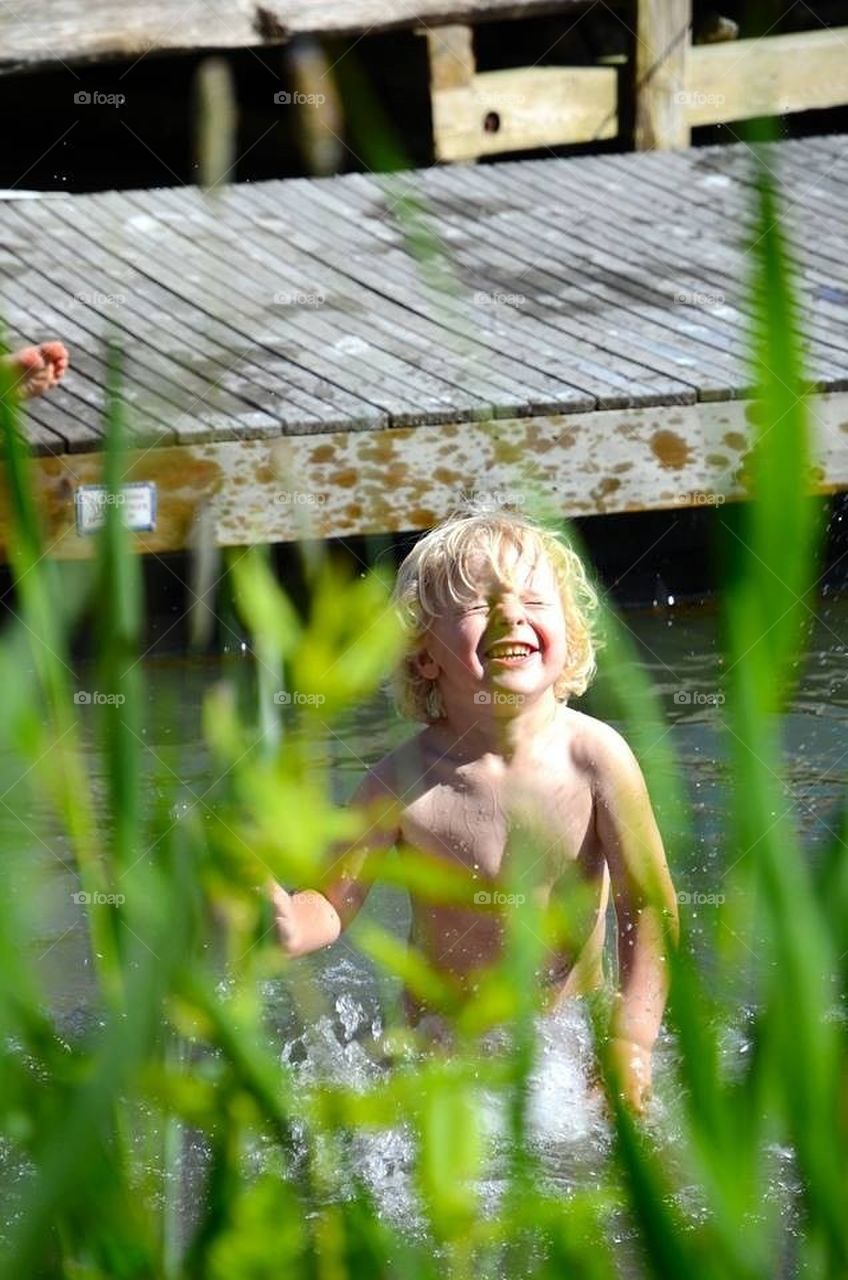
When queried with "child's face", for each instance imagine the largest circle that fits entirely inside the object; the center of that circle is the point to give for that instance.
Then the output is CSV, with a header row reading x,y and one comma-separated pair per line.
x,y
510,637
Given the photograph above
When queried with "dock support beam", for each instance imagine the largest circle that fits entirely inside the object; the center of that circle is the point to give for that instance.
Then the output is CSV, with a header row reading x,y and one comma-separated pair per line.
x,y
663,36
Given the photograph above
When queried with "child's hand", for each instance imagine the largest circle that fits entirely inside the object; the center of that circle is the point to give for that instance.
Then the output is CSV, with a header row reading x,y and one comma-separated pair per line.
x,y
283,915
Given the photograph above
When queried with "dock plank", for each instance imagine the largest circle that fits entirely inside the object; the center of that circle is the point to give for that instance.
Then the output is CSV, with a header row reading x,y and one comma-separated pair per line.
x,y
580,288
38,315
305,401
454,326
376,254
465,351
205,273
814,239
603,262
275,245
202,347
688,261
615,380
178,390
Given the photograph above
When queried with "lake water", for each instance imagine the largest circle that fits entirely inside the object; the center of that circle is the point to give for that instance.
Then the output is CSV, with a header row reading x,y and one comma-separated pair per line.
x,y
678,649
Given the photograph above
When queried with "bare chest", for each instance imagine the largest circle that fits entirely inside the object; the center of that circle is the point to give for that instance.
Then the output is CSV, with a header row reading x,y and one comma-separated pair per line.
x,y
482,819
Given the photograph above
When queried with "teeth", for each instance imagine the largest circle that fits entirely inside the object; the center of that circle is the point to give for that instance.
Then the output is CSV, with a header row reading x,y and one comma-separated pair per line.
x,y
510,651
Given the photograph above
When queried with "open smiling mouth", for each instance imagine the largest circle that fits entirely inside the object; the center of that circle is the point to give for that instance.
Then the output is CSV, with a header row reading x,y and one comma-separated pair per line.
x,y
511,654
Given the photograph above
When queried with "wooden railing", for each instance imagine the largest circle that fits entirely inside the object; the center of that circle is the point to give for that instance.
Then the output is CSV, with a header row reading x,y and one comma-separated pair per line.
x,y
676,86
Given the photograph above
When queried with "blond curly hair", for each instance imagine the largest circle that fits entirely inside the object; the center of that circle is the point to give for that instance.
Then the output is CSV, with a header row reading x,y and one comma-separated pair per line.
x,y
438,573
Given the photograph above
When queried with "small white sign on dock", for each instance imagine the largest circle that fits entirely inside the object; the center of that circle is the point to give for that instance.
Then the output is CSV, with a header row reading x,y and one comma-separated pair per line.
x,y
137,503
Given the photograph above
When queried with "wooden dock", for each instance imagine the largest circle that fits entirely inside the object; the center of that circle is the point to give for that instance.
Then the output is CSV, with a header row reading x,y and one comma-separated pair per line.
x,y
347,355
673,76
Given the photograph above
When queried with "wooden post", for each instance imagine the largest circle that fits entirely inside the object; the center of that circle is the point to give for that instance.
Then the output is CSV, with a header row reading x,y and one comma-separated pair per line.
x,y
452,66
662,38
451,51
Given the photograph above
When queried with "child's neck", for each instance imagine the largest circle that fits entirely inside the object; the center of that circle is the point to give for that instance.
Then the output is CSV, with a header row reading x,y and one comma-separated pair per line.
x,y
511,738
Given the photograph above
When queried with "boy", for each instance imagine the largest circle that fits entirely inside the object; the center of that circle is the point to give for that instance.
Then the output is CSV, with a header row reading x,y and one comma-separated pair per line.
x,y
498,613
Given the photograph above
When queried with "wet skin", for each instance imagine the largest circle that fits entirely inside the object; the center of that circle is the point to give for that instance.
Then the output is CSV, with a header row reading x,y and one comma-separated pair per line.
x,y
475,812
506,760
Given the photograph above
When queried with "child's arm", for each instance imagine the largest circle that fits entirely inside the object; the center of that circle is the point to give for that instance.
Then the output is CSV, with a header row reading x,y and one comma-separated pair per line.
x,y
311,919
645,907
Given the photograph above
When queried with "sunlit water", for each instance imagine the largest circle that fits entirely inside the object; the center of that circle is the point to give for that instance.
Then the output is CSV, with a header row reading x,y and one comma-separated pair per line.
x,y
567,1131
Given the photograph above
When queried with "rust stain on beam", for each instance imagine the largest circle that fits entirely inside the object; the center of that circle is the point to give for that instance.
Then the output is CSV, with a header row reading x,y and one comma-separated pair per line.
x,y
346,483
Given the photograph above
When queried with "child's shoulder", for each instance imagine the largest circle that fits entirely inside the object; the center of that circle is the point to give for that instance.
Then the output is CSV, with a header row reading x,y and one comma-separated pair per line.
x,y
601,749
398,768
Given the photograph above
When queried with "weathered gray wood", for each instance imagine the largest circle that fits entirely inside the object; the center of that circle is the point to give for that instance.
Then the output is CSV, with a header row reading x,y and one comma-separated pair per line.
x,y
661,221
708,197
435,315
200,342
311,402
149,384
48,418
812,199
594,246
175,382
566,219
205,275
817,246
64,414
37,434
579,279
39,312
376,253
329,337
613,379
277,242
491,265
44,31
491,287
688,260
